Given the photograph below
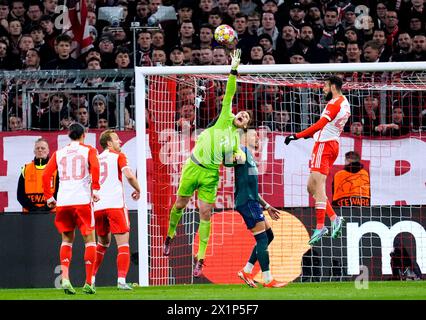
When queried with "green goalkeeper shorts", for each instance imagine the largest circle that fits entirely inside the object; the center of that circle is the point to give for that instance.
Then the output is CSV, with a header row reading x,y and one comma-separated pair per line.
x,y
195,177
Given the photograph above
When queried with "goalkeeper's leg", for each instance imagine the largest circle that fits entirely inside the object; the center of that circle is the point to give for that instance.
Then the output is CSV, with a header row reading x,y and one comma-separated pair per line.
x,y
204,235
187,184
175,216
207,191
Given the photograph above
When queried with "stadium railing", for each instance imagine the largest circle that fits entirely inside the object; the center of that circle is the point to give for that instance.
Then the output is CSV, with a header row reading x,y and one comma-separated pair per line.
x,y
28,94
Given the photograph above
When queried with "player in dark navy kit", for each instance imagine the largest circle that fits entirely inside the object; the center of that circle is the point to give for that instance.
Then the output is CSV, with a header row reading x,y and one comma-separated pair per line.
x,y
249,203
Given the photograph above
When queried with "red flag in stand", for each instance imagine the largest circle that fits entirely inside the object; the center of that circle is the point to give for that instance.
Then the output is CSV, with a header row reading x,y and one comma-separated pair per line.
x,y
77,14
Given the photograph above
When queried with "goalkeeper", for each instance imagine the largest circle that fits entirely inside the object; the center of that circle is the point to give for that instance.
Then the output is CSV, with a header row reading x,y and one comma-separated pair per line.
x,y
248,203
218,144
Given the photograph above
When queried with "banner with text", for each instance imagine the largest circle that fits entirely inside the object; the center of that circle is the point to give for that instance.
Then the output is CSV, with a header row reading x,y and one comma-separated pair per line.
x,y
397,168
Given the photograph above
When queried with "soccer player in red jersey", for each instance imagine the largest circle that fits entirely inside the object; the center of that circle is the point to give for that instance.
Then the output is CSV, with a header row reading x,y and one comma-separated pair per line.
x,y
78,171
326,132
111,216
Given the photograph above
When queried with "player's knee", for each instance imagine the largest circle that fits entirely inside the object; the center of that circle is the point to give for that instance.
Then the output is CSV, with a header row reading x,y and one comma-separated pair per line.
x,y
205,210
270,235
205,214
104,240
68,237
104,244
261,241
310,188
181,203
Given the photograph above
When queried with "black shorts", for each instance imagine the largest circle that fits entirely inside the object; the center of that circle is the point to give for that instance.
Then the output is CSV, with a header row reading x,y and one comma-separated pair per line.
x,y
251,212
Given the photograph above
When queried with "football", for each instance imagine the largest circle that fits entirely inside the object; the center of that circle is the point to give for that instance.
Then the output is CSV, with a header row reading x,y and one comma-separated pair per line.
x,y
225,34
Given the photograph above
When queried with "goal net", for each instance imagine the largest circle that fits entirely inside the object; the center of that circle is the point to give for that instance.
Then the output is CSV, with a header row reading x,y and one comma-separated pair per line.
x,y
384,236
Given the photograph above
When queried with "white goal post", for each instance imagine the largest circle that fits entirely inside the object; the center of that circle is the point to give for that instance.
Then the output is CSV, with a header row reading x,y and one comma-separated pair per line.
x,y
287,68
308,71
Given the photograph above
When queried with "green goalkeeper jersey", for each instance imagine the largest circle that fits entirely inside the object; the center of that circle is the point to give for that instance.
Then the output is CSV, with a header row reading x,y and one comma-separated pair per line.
x,y
222,139
246,180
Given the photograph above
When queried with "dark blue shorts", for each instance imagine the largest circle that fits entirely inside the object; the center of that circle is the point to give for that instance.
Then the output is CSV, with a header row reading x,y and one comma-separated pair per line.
x,y
251,212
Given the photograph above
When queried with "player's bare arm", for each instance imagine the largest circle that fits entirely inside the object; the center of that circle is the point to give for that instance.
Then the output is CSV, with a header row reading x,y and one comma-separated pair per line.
x,y
133,181
273,212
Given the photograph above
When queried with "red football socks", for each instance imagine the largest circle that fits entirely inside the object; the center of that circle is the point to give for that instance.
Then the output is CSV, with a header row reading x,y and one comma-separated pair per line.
x,y
65,255
330,211
100,253
123,260
89,260
320,212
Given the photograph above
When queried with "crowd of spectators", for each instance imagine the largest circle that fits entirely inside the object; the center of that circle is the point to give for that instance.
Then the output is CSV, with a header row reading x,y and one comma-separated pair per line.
x,y
269,32
304,31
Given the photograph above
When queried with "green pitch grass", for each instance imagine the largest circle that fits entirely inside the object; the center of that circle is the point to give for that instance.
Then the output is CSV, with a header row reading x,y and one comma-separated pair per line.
x,y
396,290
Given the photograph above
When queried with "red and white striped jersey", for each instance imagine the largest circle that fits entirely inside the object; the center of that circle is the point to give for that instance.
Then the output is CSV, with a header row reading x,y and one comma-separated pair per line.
x,y
111,194
337,111
78,171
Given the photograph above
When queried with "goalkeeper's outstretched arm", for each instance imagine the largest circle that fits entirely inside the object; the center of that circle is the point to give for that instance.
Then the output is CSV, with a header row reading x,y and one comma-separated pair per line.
x,y
231,84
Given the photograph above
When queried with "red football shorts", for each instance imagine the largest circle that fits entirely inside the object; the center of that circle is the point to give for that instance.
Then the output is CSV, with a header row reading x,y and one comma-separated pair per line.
x,y
112,220
69,217
323,156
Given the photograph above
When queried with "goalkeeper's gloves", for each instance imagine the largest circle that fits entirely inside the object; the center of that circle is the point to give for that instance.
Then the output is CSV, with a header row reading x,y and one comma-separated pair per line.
x,y
236,56
290,138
